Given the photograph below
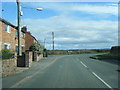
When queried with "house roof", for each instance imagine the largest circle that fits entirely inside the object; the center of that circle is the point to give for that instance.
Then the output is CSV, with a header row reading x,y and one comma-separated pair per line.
x,y
8,23
32,36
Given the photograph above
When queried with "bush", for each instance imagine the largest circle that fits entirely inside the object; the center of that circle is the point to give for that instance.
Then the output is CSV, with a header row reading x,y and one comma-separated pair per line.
x,y
6,54
36,47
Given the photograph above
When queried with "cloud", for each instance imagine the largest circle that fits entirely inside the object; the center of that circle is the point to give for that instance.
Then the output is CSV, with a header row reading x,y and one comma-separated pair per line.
x,y
94,9
67,8
71,33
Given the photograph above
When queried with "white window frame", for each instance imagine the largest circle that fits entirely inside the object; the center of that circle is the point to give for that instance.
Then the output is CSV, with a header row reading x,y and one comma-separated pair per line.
x,y
8,46
8,28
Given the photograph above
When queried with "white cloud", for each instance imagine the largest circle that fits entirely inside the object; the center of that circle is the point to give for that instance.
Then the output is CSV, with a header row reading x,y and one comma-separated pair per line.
x,y
75,33
72,33
111,9
94,9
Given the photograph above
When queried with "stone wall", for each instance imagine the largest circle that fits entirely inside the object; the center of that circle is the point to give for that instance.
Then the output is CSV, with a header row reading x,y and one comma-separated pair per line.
x,y
28,59
39,57
9,66
34,56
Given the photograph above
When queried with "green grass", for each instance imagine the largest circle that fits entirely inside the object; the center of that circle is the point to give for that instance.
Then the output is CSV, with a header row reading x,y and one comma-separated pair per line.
x,y
106,56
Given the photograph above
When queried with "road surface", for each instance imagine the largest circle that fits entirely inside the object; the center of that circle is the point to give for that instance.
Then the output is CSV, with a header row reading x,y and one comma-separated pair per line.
x,y
66,71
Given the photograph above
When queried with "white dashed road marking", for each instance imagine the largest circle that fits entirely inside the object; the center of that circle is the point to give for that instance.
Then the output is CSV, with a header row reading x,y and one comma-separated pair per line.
x,y
98,77
83,64
102,81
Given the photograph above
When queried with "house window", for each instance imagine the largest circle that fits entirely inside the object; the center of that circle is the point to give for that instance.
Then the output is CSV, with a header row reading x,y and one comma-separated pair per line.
x,y
6,46
23,36
7,28
16,48
22,48
16,33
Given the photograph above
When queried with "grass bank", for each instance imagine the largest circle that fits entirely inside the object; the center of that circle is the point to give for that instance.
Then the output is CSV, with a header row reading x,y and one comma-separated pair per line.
x,y
106,56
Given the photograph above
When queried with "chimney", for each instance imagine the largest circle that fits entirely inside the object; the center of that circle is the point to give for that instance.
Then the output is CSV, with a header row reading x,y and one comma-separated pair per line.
x,y
24,29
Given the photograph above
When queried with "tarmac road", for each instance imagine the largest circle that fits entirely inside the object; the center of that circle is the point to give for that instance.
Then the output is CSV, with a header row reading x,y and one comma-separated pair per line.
x,y
66,71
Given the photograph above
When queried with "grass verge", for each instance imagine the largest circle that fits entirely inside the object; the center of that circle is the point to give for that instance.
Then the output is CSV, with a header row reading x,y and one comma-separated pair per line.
x,y
106,56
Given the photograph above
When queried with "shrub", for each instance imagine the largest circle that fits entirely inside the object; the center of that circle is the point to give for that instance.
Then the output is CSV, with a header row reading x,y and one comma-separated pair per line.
x,y
36,47
6,54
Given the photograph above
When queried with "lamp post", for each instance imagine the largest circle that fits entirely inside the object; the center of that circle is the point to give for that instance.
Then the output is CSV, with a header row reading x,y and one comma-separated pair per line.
x,y
39,9
18,23
19,30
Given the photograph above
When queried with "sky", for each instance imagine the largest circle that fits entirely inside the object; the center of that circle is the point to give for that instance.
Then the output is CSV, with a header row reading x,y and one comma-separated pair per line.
x,y
76,25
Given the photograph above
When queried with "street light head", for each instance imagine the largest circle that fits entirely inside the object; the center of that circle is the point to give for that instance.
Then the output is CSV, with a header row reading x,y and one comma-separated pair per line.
x,y
39,9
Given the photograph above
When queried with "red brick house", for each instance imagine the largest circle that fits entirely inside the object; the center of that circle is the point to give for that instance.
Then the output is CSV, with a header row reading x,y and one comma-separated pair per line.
x,y
8,36
29,39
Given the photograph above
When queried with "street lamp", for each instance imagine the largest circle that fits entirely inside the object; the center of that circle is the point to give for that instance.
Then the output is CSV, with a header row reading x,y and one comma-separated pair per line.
x,y
19,28
39,9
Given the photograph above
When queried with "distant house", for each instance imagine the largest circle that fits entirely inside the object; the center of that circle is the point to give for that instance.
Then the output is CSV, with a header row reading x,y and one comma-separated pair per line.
x,y
8,36
29,39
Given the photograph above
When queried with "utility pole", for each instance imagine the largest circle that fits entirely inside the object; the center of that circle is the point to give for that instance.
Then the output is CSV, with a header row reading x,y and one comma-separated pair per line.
x,y
44,42
18,28
53,40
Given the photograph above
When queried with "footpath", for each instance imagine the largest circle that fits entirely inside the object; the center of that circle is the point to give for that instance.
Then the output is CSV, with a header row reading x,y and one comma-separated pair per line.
x,y
23,73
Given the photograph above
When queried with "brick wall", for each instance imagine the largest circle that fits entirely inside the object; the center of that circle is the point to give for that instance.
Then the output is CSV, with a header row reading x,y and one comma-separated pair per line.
x,y
39,57
29,40
9,38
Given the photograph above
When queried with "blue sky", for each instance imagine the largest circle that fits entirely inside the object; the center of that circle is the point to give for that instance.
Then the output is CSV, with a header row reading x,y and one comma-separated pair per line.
x,y
77,25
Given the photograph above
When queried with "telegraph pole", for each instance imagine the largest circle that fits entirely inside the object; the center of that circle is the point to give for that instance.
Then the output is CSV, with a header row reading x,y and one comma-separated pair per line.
x,y
19,13
53,40
19,29
44,42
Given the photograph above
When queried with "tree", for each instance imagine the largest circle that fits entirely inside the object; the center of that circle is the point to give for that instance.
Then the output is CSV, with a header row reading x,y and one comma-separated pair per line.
x,y
36,47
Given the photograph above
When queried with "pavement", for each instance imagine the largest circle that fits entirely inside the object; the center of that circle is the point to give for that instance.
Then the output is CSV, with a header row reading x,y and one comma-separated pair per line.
x,y
66,71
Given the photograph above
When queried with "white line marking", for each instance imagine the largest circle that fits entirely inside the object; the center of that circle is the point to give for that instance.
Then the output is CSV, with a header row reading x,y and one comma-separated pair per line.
x,y
102,81
83,64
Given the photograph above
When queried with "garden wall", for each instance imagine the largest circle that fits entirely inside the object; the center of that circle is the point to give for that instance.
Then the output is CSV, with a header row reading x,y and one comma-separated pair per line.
x,y
28,59
39,57
9,66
